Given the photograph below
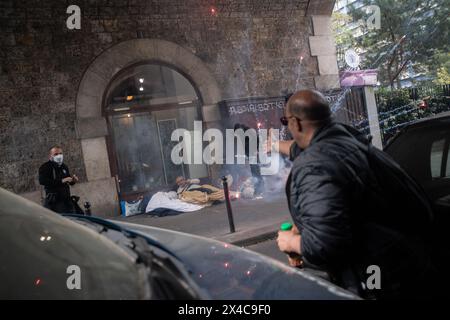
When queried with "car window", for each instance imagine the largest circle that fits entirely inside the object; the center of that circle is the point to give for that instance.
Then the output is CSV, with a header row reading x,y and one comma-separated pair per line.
x,y
412,151
447,166
424,153
420,151
436,155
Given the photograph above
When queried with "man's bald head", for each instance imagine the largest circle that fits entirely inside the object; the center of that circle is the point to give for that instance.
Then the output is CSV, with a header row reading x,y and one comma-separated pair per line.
x,y
309,105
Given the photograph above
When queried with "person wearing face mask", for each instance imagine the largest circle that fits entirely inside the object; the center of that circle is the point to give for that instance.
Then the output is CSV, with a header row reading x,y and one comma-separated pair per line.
x,y
54,175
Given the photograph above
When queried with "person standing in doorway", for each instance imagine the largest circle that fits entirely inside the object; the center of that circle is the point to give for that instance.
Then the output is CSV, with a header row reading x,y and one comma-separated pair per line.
x,y
252,157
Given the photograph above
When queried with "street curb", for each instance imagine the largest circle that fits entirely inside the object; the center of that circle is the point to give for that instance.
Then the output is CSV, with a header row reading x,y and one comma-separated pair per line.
x,y
250,237
254,240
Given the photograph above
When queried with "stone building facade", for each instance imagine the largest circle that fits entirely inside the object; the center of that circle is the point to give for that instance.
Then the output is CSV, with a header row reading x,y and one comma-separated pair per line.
x,y
53,80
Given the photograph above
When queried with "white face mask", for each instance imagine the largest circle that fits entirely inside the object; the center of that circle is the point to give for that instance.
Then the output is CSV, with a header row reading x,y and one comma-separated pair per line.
x,y
58,159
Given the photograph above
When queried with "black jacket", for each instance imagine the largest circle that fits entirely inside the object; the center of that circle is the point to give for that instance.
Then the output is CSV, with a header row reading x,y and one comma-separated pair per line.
x,y
351,217
51,175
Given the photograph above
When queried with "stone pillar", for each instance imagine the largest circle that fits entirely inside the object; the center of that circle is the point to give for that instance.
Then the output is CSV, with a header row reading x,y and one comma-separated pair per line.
x,y
323,47
100,189
212,120
91,128
372,115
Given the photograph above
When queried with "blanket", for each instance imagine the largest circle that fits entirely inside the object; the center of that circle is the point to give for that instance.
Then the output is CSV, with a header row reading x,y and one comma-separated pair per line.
x,y
205,194
169,200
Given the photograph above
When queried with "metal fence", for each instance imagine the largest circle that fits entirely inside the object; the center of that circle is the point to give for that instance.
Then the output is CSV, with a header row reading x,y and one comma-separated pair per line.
x,y
423,91
398,108
353,107
399,111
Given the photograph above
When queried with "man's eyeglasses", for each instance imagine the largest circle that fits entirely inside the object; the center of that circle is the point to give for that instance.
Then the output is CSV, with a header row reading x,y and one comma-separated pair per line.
x,y
285,120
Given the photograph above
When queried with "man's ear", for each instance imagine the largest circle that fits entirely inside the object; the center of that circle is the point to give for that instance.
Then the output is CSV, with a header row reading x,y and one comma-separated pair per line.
x,y
299,125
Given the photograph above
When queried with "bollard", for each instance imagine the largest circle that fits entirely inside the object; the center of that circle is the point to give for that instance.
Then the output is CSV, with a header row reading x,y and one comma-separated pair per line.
x,y
228,203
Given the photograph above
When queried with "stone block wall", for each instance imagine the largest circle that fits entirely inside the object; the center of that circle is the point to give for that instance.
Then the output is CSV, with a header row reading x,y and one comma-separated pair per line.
x,y
252,47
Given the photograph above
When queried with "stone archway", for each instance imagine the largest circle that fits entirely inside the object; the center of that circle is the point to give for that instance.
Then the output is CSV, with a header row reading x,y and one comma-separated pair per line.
x,y
91,126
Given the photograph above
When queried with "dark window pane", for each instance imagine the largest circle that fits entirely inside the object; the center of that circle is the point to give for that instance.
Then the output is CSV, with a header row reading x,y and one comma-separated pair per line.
x,y
136,141
447,171
437,153
417,151
145,105
172,171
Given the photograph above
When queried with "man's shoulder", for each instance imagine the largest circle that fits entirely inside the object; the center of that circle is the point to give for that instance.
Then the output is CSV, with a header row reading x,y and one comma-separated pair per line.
x,y
323,158
45,165
311,162
318,154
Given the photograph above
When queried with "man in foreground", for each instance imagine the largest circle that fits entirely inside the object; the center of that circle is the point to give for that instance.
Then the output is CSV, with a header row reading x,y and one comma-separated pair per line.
x,y
354,207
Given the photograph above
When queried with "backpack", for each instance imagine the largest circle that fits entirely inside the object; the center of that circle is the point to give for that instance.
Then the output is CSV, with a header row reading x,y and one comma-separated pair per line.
x,y
395,191
398,224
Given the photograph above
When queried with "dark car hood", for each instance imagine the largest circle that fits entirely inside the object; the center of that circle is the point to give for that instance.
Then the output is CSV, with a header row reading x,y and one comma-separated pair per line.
x,y
229,272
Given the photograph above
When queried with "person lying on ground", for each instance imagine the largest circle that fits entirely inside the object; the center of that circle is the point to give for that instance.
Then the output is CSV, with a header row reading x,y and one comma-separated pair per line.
x,y
183,184
190,190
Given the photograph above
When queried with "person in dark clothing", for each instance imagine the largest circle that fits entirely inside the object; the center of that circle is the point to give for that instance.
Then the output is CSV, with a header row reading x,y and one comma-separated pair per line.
x,y
255,168
54,175
354,207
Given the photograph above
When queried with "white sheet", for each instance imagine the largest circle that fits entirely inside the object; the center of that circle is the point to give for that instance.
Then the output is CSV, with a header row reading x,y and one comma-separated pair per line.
x,y
169,200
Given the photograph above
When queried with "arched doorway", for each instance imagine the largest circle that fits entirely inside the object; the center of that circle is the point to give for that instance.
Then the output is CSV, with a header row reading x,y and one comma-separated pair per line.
x,y
143,105
92,125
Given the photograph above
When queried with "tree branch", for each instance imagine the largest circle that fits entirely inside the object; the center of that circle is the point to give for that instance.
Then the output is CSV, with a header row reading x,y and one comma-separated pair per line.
x,y
401,68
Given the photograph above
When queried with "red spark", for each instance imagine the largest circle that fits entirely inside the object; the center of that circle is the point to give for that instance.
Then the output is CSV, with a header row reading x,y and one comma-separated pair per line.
x,y
37,282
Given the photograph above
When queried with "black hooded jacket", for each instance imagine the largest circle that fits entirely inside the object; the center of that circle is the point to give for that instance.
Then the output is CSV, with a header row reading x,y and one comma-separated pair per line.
x,y
355,207
51,175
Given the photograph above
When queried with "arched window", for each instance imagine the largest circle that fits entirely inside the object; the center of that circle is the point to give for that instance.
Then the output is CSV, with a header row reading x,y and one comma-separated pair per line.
x,y
144,105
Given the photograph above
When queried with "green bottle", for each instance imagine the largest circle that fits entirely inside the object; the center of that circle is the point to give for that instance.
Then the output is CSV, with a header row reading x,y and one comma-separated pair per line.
x,y
286,226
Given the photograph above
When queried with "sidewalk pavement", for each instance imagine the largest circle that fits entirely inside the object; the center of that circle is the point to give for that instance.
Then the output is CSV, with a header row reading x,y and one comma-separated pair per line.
x,y
255,220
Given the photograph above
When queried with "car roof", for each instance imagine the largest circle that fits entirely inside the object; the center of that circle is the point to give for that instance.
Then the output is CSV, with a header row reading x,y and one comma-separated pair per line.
x,y
29,212
438,117
41,245
435,120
